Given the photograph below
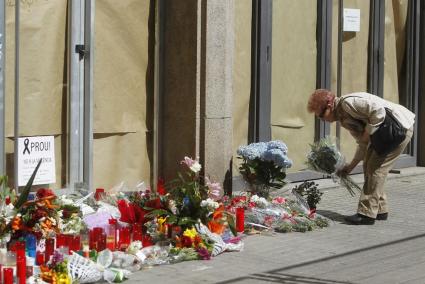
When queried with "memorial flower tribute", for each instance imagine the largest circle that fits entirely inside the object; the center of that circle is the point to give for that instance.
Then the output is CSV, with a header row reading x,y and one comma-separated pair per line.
x,y
264,166
85,238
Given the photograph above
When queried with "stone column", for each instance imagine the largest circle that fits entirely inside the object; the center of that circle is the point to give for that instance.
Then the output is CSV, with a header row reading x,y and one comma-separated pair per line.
x,y
197,86
217,89
180,96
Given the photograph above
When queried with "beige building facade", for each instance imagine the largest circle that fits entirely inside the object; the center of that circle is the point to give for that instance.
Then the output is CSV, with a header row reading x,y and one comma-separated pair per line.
x,y
128,88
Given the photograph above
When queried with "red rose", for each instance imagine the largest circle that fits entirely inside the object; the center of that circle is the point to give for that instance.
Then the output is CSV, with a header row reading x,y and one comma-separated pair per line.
x,y
160,187
44,192
154,203
186,242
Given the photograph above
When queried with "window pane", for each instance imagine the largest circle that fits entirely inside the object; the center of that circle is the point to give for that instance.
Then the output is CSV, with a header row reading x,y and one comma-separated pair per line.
x,y
123,92
241,76
354,62
395,51
43,78
294,55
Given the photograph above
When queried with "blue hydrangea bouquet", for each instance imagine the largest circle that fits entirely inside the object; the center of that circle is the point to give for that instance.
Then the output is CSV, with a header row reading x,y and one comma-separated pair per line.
x,y
264,165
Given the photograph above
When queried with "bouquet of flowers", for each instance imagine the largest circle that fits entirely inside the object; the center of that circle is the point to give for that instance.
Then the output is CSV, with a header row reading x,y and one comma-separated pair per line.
x,y
326,158
191,199
264,165
39,216
282,215
10,206
310,191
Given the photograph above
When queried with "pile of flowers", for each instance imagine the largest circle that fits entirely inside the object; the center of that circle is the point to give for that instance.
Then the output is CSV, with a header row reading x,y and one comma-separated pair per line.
x,y
278,214
87,238
264,165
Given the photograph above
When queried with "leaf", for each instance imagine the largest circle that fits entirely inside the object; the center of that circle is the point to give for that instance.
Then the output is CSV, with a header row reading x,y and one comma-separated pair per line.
x,y
24,195
172,219
157,212
186,221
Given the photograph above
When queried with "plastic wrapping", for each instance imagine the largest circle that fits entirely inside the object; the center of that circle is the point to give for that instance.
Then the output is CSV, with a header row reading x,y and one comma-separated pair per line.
x,y
287,215
326,158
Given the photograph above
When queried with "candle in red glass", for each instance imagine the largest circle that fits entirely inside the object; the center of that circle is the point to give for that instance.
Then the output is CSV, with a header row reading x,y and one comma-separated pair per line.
x,y
137,232
39,258
75,243
21,267
50,248
101,242
112,237
124,237
20,250
240,219
99,192
67,241
147,240
92,240
60,240
7,276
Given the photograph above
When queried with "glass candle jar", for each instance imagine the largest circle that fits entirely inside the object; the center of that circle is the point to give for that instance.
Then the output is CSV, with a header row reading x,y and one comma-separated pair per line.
x,y
240,219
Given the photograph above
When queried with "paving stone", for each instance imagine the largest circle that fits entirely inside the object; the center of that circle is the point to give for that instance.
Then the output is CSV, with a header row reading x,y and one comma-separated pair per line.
x,y
391,251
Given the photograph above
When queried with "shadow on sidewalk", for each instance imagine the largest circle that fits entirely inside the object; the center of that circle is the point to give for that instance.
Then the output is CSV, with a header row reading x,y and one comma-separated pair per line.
x,y
334,216
278,275
283,278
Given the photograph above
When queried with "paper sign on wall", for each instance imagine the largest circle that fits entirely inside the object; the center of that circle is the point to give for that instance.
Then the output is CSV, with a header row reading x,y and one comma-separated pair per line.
x,y
30,151
351,20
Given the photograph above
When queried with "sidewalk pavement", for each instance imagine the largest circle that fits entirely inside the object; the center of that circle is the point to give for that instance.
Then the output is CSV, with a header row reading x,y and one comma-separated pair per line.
x,y
391,251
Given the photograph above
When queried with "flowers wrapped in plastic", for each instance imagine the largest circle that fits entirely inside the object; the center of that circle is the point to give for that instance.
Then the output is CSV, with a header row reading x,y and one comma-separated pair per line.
x,y
264,165
282,215
325,157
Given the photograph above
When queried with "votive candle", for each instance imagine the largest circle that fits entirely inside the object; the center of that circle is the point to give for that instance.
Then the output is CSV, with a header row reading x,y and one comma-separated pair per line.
x,y
240,219
8,276
39,258
50,249
137,232
125,237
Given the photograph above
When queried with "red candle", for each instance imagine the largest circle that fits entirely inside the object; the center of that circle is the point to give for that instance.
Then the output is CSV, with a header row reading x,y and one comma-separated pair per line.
x,y
75,243
101,242
92,240
112,237
240,219
50,248
137,232
7,276
125,237
21,268
147,240
98,194
60,240
39,258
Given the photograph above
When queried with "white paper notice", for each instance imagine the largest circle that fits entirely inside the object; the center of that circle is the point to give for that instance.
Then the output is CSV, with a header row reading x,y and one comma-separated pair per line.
x,y
351,20
30,151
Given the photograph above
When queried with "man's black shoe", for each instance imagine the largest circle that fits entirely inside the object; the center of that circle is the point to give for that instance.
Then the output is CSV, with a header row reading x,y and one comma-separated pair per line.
x,y
382,216
359,219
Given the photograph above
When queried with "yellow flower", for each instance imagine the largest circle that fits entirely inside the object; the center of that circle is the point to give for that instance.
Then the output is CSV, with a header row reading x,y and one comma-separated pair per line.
x,y
63,278
191,233
161,225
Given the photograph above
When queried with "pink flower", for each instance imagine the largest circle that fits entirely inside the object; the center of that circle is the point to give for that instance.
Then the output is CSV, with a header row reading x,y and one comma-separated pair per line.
x,y
214,189
278,200
193,165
